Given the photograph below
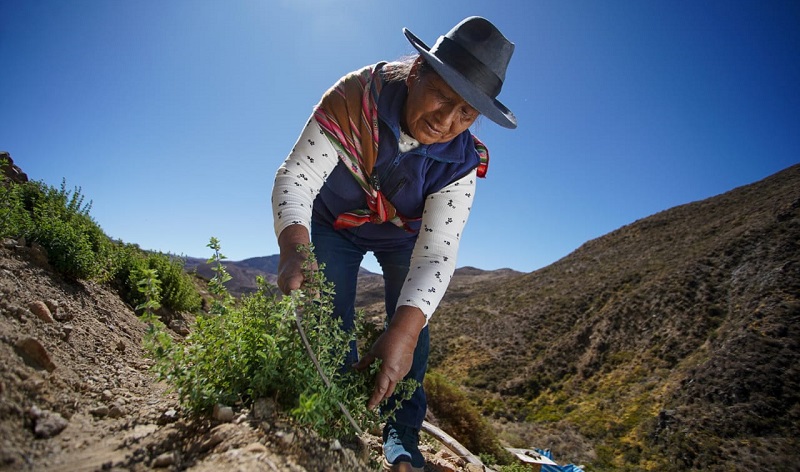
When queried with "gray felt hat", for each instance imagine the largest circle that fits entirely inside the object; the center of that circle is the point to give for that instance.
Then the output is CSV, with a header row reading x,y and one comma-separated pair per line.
x,y
472,58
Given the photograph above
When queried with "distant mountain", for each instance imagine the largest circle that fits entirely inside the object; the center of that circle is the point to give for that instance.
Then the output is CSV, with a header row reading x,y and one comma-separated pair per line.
x,y
265,264
243,273
464,282
670,344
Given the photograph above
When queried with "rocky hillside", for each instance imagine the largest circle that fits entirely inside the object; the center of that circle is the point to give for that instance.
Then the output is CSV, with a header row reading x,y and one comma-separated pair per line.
x,y
76,393
672,343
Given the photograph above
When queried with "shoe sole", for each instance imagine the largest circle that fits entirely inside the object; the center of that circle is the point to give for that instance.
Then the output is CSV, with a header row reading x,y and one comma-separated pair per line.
x,y
401,467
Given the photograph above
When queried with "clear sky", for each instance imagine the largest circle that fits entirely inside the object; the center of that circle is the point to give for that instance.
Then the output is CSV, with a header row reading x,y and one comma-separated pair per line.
x,y
173,115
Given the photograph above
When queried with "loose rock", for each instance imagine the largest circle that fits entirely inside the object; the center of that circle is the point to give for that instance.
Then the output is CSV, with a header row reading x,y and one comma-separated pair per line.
x,y
48,424
164,460
40,309
264,408
255,448
223,413
169,416
180,327
116,412
100,411
66,331
34,354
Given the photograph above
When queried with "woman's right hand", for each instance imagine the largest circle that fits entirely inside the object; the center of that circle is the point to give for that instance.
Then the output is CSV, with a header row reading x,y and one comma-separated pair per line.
x,y
290,265
290,271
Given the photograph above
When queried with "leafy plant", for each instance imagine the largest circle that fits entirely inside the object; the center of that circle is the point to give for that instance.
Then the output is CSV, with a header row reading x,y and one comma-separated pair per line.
x,y
76,246
13,217
517,467
58,219
150,287
253,349
216,285
178,293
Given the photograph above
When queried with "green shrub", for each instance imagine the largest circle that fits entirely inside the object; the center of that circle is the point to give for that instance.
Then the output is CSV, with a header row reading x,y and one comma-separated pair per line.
x,y
14,219
77,248
69,249
150,288
58,220
461,419
178,293
128,260
517,467
253,349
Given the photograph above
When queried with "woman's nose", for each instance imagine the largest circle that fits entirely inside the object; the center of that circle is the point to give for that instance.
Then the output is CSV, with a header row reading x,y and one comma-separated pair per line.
x,y
445,116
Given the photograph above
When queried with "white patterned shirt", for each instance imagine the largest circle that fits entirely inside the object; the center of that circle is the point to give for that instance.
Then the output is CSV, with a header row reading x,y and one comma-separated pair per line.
x,y
433,260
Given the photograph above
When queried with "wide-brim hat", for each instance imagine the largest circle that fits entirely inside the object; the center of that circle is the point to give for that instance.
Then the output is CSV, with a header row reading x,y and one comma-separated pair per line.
x,y
472,58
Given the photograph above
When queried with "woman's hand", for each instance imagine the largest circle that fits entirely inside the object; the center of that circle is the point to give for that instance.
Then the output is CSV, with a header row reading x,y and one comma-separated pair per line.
x,y
290,265
395,348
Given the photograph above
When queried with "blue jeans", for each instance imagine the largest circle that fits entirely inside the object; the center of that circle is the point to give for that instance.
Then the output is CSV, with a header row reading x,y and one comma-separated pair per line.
x,y
342,260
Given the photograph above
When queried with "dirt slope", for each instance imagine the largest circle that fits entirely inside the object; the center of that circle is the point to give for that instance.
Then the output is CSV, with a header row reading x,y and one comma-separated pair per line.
x,y
76,393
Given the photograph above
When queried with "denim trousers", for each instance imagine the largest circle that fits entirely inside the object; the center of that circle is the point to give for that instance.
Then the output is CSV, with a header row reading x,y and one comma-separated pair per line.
x,y
342,260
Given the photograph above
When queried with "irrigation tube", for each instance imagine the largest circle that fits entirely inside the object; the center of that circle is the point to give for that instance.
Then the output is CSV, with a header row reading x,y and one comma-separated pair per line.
x,y
297,320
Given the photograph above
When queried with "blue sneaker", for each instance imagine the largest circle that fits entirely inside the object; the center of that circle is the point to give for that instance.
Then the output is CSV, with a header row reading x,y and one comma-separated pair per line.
x,y
401,448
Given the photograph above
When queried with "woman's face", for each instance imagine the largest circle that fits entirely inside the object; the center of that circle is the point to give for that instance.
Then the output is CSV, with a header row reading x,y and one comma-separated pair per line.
x,y
434,113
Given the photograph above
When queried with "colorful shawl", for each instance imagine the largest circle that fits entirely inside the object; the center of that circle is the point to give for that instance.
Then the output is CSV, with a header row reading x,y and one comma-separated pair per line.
x,y
348,115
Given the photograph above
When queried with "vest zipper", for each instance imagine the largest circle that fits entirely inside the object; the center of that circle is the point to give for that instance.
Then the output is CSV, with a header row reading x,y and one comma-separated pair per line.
x,y
396,188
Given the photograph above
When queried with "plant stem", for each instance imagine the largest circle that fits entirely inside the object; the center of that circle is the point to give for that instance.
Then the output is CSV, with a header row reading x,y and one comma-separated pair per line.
x,y
297,320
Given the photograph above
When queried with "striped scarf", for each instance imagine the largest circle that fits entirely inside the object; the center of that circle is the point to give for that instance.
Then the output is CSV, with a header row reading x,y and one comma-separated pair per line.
x,y
348,115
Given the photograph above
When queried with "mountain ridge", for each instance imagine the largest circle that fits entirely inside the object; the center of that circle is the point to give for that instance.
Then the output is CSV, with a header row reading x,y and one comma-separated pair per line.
x,y
244,272
678,334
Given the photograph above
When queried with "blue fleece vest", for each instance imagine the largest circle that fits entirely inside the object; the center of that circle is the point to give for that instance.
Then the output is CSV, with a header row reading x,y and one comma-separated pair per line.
x,y
406,179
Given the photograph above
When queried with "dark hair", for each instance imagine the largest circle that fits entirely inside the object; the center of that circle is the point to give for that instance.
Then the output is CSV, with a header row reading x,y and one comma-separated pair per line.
x,y
398,71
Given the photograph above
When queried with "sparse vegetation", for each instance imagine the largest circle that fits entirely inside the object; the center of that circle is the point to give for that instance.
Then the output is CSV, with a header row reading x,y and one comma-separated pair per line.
x,y
252,349
58,220
460,417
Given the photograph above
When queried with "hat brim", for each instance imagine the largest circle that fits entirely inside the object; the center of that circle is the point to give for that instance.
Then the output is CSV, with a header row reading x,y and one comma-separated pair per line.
x,y
487,106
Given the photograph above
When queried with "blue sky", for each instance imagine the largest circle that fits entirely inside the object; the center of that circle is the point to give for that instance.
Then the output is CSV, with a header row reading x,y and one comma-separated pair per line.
x,y
172,116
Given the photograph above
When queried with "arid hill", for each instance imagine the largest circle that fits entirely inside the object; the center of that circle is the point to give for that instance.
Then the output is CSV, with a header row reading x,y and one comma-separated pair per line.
x,y
672,343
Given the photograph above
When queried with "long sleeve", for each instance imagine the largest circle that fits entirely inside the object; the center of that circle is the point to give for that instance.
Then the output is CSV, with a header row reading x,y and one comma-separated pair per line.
x,y
301,176
433,260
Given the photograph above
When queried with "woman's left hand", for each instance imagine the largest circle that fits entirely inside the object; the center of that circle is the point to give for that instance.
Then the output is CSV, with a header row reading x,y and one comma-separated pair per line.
x,y
395,348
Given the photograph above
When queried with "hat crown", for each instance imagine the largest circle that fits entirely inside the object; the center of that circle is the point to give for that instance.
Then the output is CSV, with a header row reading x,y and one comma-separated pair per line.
x,y
479,37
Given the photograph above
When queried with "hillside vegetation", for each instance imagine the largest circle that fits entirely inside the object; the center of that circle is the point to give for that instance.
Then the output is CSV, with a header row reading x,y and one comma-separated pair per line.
x,y
83,330
669,344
